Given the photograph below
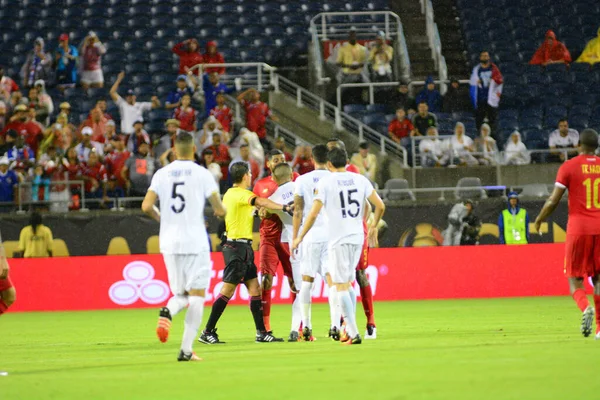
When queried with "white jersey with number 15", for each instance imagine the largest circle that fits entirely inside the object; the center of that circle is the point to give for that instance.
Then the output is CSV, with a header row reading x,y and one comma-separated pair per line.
x,y
182,188
343,195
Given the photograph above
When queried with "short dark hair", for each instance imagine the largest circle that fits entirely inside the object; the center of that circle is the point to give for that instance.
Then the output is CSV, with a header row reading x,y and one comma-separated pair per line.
x,y
237,171
184,138
363,145
563,120
280,171
244,145
275,152
100,99
589,139
338,157
338,143
423,102
319,153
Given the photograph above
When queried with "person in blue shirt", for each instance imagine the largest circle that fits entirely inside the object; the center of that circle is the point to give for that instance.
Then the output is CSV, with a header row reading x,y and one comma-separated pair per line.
x,y
8,182
21,152
212,87
431,96
174,97
66,60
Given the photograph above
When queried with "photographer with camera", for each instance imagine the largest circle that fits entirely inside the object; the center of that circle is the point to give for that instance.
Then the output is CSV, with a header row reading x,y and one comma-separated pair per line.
x,y
460,211
470,232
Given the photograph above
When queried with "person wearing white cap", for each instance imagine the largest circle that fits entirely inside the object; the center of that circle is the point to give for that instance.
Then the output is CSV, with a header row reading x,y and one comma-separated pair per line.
x,y
380,57
129,109
92,51
87,145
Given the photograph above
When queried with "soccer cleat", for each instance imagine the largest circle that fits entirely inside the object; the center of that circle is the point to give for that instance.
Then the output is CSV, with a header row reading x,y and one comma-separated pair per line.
x,y
355,340
164,324
598,335
586,321
307,334
267,337
294,337
188,356
371,332
210,337
334,334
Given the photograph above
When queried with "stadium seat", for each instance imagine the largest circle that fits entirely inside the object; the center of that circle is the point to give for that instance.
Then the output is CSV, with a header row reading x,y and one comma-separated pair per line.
x,y
398,184
474,194
354,108
536,190
377,108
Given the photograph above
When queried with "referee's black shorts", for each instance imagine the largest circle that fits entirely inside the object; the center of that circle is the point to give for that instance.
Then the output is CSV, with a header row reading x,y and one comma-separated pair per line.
x,y
239,262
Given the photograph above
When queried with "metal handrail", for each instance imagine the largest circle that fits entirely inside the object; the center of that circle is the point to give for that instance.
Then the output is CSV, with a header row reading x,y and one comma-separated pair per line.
x,y
67,183
442,190
260,66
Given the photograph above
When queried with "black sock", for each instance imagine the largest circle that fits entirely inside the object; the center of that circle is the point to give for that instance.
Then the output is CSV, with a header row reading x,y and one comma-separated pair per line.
x,y
216,312
257,313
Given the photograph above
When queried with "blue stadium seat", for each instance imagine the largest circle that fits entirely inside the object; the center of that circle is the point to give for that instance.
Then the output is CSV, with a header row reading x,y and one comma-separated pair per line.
x,y
377,108
580,110
579,122
530,123
354,108
372,119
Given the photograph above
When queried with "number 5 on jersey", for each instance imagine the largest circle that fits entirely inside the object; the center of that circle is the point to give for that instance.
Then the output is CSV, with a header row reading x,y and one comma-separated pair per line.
x,y
175,196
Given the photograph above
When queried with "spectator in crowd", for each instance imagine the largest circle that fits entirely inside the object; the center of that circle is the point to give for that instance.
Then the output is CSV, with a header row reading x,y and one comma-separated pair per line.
x,y
486,147
257,152
116,159
94,173
221,157
513,222
92,51
139,136
35,239
244,156
7,86
101,104
351,58
515,152
432,150
453,232
88,146
42,111
551,52
189,54
8,182
400,129
212,87
44,98
73,168
365,161
280,145
257,113
454,100
65,108
65,139
163,148
3,117
431,96
129,109
470,229
66,63
208,162
400,98
16,99
182,88
186,115
303,163
9,141
34,129
212,56
40,184
591,53
380,57
222,113
49,155
423,119
210,128
563,138
138,170
49,139
21,152
37,65
461,146
25,126
97,121
486,88
114,189
111,128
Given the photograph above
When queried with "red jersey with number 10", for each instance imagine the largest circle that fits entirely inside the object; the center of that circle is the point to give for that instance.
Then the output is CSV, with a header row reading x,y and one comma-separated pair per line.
x,y
581,176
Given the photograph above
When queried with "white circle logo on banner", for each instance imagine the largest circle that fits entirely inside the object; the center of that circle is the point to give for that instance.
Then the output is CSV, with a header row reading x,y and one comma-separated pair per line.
x,y
138,271
138,284
154,292
123,293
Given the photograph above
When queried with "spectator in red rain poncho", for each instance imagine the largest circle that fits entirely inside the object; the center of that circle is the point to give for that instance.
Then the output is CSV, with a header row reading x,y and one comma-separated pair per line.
x,y
551,52
189,54
212,56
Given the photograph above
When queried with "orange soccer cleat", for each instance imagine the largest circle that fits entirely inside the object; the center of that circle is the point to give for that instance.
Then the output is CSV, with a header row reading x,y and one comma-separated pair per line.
x,y
164,325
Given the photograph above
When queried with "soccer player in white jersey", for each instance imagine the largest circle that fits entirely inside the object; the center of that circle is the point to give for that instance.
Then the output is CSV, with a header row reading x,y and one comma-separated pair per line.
x,y
344,196
283,175
313,252
182,188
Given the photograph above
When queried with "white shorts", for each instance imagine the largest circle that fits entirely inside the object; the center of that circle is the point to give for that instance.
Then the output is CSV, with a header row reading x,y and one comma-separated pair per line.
x,y
314,259
89,77
343,259
187,271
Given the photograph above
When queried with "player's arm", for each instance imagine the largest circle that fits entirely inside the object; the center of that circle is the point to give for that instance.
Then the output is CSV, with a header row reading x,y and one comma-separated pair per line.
x,y
308,224
379,206
4,268
217,204
270,204
148,205
550,206
298,215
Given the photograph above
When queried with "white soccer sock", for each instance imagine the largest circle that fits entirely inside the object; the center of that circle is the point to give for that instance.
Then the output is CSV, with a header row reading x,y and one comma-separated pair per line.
x,y
353,298
345,301
193,319
335,312
176,304
296,314
305,303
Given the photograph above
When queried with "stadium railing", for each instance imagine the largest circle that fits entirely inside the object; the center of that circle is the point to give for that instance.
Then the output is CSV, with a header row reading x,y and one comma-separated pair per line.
x,y
253,74
24,191
435,43
500,189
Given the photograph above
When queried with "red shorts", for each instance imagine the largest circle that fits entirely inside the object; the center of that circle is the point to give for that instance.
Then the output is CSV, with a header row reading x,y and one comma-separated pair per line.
x,y
271,253
5,284
363,263
582,256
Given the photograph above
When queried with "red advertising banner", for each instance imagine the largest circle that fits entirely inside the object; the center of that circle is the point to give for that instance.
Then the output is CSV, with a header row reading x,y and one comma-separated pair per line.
x,y
111,282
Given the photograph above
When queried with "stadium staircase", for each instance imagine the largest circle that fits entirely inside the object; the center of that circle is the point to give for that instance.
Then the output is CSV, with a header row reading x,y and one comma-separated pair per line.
x,y
451,35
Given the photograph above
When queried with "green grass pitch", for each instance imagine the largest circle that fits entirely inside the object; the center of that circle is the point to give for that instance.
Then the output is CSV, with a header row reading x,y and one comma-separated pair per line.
x,y
465,349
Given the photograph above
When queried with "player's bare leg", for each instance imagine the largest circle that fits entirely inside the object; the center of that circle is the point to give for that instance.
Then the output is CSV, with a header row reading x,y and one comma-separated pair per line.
x,y
262,335
266,286
166,314
193,319
366,295
7,298
578,293
209,334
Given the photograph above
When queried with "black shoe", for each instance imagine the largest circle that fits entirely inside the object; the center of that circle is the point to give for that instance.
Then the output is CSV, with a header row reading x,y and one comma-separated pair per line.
x,y
267,337
187,356
334,334
307,334
293,336
355,340
210,337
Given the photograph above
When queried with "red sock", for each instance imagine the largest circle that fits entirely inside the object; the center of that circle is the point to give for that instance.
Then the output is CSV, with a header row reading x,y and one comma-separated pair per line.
x,y
266,303
3,307
597,306
581,299
367,301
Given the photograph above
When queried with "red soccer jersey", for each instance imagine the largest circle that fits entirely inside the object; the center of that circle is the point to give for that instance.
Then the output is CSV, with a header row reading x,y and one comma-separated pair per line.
x,y
401,129
304,165
270,228
256,117
581,176
98,172
115,161
186,118
224,116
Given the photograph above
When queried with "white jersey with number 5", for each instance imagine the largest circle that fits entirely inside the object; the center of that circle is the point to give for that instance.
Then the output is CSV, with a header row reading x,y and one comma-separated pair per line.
x,y
285,195
306,185
343,195
182,188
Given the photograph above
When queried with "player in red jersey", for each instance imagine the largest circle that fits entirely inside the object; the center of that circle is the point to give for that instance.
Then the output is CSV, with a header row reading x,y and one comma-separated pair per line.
x,y
581,177
7,290
271,250
366,294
